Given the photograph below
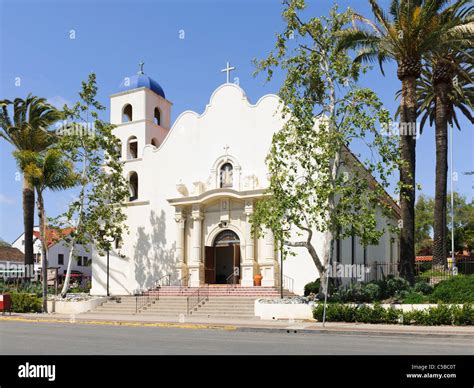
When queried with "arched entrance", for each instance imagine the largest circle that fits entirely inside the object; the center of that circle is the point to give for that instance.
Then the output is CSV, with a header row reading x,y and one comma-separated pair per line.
x,y
222,259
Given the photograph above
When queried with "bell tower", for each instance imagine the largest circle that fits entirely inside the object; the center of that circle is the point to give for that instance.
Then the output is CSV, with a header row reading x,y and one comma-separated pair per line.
x,y
142,116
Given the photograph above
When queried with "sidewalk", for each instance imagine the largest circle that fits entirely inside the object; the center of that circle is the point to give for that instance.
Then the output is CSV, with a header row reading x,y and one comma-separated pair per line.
x,y
280,326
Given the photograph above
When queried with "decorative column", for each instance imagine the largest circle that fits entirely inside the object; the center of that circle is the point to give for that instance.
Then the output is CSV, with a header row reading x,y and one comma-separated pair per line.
x,y
195,265
248,267
180,219
268,264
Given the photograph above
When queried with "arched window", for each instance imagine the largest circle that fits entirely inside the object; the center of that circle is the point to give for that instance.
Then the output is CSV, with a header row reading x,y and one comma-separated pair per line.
x,y
226,238
154,142
127,113
133,186
157,117
132,147
226,175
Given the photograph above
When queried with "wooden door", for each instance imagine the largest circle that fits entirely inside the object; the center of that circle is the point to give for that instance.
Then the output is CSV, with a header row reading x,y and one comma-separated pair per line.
x,y
237,262
210,265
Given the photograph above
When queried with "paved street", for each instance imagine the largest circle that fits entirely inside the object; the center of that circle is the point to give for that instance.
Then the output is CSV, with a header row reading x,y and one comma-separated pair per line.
x,y
76,339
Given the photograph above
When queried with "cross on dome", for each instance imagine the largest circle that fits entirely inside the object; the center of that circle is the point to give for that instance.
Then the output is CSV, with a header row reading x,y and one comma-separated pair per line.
x,y
141,67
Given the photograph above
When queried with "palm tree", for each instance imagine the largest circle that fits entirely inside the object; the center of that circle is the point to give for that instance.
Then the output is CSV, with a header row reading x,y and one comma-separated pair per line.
x,y
445,86
46,170
27,130
412,29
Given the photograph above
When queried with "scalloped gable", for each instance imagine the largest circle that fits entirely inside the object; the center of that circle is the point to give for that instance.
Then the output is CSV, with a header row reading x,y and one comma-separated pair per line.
x,y
224,96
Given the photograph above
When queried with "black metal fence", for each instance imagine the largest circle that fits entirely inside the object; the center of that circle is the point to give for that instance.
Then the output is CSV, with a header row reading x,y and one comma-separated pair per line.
x,y
379,271
426,271
423,270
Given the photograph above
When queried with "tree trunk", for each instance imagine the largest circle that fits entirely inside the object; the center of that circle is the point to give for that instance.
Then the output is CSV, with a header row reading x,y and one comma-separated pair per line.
x,y
324,280
44,261
28,225
441,133
67,278
407,177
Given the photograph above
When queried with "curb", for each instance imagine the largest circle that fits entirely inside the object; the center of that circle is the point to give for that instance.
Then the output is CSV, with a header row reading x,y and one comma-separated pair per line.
x,y
122,323
255,329
352,332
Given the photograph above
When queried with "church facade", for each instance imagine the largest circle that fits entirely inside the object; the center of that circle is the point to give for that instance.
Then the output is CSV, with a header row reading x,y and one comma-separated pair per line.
x,y
193,188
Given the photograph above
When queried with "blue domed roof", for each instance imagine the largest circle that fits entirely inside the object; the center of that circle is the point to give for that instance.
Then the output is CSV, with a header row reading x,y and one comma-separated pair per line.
x,y
141,80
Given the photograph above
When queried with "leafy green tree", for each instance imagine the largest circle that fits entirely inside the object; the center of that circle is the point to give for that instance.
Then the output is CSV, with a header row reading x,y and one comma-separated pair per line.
x,y
463,223
424,225
317,185
28,129
46,170
411,30
96,215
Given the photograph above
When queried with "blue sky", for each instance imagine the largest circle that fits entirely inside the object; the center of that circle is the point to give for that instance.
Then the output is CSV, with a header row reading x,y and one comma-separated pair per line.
x,y
111,37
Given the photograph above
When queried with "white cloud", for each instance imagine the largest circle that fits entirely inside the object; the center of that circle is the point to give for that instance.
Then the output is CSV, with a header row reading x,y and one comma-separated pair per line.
x,y
7,200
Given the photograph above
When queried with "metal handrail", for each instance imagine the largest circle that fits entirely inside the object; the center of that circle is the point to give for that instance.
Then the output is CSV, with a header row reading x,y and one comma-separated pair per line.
x,y
231,280
194,300
158,283
144,299
184,282
288,283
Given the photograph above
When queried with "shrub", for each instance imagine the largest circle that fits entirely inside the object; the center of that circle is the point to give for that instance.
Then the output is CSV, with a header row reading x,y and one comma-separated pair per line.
x,y
458,289
337,312
312,288
396,285
439,315
423,287
389,287
340,313
372,291
434,316
26,303
413,317
358,292
383,292
392,315
412,297
363,314
463,316
318,311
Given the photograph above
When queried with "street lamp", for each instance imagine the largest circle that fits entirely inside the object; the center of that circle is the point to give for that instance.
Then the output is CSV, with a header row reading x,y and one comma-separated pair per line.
x,y
108,264
283,229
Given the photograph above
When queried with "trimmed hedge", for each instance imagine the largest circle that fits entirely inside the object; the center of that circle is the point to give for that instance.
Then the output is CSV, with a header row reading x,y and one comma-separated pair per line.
x,y
434,316
26,303
337,312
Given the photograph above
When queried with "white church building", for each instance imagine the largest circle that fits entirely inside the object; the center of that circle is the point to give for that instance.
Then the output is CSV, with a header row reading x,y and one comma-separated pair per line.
x,y
193,187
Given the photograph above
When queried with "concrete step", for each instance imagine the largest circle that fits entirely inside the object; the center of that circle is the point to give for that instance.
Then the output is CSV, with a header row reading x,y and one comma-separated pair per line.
x,y
238,304
243,317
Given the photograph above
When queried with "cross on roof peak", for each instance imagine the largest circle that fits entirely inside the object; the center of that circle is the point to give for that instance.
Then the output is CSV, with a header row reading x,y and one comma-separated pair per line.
x,y
227,70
